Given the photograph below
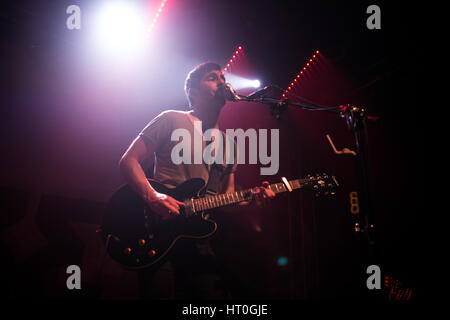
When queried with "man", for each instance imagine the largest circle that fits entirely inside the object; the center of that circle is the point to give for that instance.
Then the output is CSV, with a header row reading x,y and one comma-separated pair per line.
x,y
191,262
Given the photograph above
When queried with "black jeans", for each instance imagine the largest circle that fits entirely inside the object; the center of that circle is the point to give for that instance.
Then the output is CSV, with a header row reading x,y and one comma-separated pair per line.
x,y
190,271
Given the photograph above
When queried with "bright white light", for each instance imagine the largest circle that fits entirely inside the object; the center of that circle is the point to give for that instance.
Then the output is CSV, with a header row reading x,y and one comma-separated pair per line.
x,y
256,84
120,29
241,83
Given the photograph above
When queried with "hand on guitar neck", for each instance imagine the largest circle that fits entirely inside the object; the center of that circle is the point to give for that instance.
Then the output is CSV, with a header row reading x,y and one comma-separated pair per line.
x,y
168,207
261,196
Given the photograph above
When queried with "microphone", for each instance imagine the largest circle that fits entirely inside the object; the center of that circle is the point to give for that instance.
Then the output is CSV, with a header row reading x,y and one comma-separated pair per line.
x,y
259,93
229,93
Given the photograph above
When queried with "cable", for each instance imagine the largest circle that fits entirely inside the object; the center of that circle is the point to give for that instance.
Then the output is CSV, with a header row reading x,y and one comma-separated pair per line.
x,y
313,106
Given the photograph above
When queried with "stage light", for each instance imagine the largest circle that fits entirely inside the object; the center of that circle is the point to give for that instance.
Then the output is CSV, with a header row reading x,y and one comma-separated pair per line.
x,y
120,29
256,83
301,73
282,261
158,12
230,62
240,48
242,83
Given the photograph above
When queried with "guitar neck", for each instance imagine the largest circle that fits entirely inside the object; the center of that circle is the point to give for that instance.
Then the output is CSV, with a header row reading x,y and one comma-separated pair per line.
x,y
225,199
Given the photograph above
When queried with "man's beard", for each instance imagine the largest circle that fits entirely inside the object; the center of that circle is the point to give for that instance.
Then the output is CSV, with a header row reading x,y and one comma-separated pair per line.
x,y
219,98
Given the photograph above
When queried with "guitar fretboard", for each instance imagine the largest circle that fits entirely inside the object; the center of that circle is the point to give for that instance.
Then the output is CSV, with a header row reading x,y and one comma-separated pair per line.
x,y
220,200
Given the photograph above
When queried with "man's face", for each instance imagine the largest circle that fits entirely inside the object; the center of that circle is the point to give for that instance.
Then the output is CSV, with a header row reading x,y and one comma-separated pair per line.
x,y
209,93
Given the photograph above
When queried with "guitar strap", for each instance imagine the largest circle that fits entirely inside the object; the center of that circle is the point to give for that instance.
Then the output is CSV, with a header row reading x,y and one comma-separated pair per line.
x,y
215,176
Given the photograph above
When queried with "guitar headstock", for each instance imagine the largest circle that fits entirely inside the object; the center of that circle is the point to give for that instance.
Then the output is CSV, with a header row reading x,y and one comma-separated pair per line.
x,y
321,184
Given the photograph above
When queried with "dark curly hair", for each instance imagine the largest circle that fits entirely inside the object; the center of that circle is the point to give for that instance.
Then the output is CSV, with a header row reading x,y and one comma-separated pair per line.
x,y
195,76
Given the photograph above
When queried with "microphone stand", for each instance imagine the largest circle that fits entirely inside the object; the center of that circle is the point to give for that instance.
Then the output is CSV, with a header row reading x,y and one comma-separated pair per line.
x,y
356,119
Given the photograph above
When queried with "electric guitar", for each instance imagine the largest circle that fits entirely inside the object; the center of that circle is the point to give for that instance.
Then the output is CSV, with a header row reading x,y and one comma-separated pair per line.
x,y
136,237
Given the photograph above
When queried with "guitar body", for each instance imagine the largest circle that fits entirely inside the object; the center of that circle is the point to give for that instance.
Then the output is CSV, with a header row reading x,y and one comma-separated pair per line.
x,y
136,237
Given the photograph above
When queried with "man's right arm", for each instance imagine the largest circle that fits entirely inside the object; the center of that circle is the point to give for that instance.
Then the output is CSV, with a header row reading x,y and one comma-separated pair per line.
x,y
134,175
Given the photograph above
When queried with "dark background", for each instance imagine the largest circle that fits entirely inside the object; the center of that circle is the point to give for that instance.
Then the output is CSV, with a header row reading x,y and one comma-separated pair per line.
x,y
66,120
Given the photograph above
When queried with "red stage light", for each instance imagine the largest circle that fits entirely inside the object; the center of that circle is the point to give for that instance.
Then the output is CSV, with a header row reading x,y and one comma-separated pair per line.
x,y
157,14
234,58
301,72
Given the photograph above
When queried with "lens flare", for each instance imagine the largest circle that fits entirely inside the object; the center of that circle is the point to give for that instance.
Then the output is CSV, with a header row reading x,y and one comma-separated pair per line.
x,y
120,29
242,83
